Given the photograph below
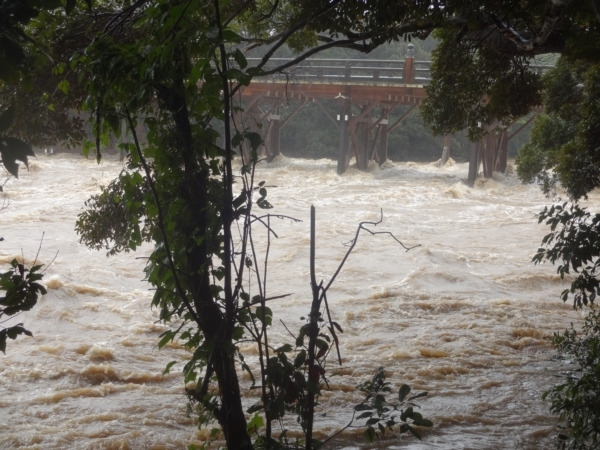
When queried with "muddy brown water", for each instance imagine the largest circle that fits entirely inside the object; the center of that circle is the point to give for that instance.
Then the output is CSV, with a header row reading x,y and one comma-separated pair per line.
x,y
465,316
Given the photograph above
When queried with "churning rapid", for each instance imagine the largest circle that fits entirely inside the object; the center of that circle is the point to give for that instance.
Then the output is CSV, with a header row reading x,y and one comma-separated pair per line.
x,y
464,316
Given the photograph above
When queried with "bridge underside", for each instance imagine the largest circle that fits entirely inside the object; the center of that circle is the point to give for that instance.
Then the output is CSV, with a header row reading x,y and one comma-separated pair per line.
x,y
362,117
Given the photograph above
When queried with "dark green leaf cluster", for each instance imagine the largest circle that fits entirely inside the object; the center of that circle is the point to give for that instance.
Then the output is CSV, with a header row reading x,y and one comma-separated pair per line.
x,y
573,243
11,148
381,416
577,399
565,137
473,86
21,293
14,15
117,220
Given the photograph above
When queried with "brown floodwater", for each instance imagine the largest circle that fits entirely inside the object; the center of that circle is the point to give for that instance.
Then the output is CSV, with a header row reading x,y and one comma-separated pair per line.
x,y
465,316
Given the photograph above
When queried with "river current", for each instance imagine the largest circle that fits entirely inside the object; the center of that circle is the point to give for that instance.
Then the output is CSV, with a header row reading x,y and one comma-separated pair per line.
x,y
464,316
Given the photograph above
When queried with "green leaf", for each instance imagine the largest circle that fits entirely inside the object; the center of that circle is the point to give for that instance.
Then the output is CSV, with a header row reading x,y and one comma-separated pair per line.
x,y
256,422
362,407
406,414
300,359
414,432
231,36
419,395
254,139
403,392
256,407
423,422
13,150
264,314
284,348
168,367
240,58
370,434
63,86
166,337
263,203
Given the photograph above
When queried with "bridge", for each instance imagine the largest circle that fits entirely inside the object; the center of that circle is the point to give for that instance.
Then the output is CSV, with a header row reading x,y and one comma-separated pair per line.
x,y
366,91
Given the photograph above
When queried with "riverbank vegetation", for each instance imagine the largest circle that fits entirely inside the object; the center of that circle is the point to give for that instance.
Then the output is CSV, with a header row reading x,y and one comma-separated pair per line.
x,y
562,158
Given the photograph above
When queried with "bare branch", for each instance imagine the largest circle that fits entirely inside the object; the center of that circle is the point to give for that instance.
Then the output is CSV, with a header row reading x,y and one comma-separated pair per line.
x,y
351,244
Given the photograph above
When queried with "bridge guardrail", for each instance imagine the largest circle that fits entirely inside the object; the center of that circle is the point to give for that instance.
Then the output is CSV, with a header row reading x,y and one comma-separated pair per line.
x,y
358,71
372,71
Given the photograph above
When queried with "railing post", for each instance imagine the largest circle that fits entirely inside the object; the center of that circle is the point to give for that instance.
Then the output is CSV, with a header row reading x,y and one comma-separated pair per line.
x,y
347,70
409,70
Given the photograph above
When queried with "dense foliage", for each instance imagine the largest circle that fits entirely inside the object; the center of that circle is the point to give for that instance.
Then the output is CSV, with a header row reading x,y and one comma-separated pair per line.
x,y
574,244
21,292
565,137
177,78
577,399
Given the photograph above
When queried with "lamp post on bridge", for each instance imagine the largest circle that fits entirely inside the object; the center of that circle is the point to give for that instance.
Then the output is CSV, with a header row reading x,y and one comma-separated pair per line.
x,y
409,68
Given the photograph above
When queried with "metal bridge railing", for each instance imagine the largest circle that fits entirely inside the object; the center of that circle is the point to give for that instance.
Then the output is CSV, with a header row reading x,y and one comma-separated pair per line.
x,y
350,71
358,71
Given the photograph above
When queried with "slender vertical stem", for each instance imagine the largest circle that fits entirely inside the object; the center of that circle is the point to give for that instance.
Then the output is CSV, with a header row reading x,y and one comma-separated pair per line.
x,y
312,336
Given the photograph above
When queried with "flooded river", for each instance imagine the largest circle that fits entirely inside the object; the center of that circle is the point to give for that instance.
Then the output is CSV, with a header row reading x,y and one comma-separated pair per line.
x,y
464,316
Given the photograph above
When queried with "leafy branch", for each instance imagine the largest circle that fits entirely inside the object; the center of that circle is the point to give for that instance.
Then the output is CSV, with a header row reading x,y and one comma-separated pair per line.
x,y
21,292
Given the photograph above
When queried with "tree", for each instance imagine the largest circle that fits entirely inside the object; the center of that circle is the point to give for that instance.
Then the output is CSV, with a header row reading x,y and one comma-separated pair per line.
x,y
574,244
564,143
175,66
21,292
563,155
481,67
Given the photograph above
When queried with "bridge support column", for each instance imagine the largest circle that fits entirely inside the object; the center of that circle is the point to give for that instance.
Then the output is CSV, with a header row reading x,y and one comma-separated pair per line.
x,y
490,152
379,145
494,154
362,145
344,119
474,161
383,155
502,152
272,138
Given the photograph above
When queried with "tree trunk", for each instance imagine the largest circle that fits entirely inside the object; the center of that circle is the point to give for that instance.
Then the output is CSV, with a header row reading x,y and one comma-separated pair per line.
x,y
211,320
